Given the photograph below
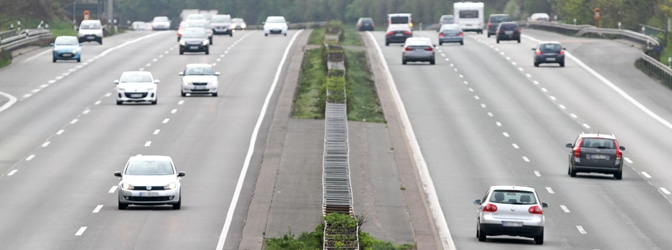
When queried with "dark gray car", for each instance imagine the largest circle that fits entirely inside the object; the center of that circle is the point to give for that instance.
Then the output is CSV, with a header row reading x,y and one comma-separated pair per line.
x,y
596,153
397,33
451,33
549,52
221,24
495,20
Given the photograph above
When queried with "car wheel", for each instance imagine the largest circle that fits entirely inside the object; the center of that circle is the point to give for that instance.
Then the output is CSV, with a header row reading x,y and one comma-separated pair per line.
x,y
539,239
536,64
562,64
571,171
181,52
285,34
178,205
100,41
440,43
155,101
211,41
214,94
488,34
481,235
619,175
53,59
387,43
265,34
207,51
497,40
518,40
462,43
183,94
403,61
122,206
79,60
119,102
432,62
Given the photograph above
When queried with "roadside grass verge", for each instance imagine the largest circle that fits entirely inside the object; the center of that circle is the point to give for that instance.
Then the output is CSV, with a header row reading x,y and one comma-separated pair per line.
x,y
352,37
363,104
5,58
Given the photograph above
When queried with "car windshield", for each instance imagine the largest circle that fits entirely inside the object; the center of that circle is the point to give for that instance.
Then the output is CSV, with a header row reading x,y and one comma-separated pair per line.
x,y
196,17
399,19
499,18
597,143
550,47
468,13
275,20
195,33
198,70
149,168
197,25
66,40
89,25
220,19
450,27
418,42
135,77
513,197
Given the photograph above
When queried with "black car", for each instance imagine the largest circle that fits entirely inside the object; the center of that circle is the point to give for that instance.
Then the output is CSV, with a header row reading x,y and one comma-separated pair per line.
x,y
596,153
549,52
397,33
221,24
495,20
508,31
195,40
365,24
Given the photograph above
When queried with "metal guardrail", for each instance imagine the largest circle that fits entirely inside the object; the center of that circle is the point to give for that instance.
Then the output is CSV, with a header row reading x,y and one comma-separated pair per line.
x,y
24,38
656,68
581,30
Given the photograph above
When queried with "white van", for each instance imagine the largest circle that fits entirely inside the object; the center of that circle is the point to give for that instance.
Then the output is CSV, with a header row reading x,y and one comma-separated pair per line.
x,y
400,18
469,15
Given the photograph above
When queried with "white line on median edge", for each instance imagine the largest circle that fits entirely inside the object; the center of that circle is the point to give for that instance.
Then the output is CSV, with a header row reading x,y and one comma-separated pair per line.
x,y
250,150
421,165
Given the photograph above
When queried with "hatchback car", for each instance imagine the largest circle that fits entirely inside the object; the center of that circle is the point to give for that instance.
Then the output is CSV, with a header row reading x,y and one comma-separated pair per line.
x,y
194,40
275,25
239,24
365,24
199,79
161,23
136,86
549,52
66,48
596,153
200,24
451,33
150,180
222,24
508,31
512,211
418,49
397,33
495,20
90,31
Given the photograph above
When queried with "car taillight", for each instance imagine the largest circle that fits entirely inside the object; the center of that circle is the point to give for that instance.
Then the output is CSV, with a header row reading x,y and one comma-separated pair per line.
x,y
441,34
538,52
390,33
490,208
461,34
577,149
429,49
619,153
562,52
535,210
406,32
519,30
488,24
408,49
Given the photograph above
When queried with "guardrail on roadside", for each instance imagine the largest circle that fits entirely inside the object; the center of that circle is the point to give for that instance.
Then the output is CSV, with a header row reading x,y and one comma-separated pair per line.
x,y
24,38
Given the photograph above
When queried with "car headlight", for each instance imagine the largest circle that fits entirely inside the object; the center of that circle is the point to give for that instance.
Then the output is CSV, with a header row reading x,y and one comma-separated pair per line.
x,y
170,186
126,186
74,51
186,83
182,42
206,42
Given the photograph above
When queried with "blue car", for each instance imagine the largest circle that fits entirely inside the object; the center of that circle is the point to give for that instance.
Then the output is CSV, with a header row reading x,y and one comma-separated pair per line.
x,y
67,48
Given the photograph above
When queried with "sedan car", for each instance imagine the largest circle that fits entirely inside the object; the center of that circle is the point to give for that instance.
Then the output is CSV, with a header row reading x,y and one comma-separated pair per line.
x,y
200,24
136,86
397,33
199,79
66,48
451,33
275,25
596,153
512,211
418,49
150,180
549,52
238,24
195,40
508,31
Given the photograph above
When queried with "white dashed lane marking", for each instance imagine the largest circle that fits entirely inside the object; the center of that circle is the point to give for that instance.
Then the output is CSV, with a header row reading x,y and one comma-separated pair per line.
x,y
564,208
581,230
80,231
97,209
112,189
646,175
665,191
12,172
550,190
537,173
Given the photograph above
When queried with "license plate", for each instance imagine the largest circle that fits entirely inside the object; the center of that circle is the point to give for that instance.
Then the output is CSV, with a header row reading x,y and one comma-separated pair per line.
x,y
399,34
136,95
508,32
598,157
550,58
90,37
469,24
146,194
200,87
67,54
193,47
512,223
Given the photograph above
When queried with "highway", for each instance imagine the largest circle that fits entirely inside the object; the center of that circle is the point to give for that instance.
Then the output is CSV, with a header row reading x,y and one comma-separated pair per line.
x,y
482,116
64,137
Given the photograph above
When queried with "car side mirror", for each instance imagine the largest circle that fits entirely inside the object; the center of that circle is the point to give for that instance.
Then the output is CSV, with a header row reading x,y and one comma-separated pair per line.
x,y
116,81
117,174
181,73
621,147
569,145
534,48
217,73
477,202
181,174
156,81
544,205
564,48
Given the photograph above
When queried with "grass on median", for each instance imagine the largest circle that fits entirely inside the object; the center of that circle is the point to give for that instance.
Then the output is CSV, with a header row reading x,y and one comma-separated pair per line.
x,y
363,102
309,97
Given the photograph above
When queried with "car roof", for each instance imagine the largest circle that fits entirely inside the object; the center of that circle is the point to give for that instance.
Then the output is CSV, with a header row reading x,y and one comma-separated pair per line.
x,y
150,157
451,25
512,187
419,40
600,135
199,65
399,26
499,14
137,72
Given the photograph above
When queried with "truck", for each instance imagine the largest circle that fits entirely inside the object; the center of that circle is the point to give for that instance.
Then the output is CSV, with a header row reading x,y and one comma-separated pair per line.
x,y
469,15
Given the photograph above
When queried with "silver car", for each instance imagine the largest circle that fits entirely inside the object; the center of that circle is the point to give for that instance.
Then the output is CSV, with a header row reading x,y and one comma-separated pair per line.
x,y
451,33
150,180
418,49
199,78
136,86
510,210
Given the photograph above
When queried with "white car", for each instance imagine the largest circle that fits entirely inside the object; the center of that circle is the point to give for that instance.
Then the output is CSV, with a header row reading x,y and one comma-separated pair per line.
x,y
136,86
150,180
161,23
199,78
275,25
510,210
90,31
